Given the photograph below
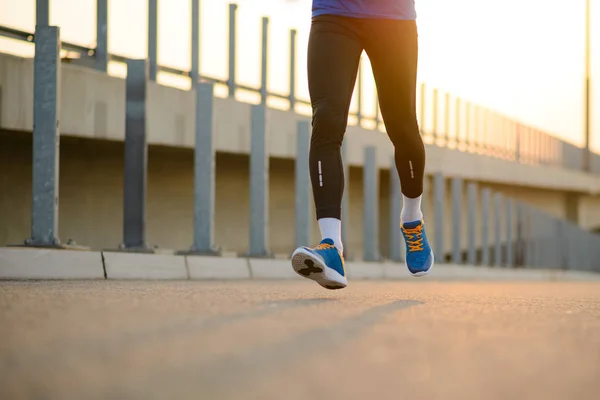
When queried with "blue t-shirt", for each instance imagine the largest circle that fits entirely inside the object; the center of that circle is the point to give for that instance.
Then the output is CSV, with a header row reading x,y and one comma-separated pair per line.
x,y
390,9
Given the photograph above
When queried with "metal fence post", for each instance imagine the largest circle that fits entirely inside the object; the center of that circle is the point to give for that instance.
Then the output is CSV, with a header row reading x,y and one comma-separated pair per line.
x,y
468,126
457,189
439,189
345,196
486,195
446,119
232,49
101,52
498,230
46,137
292,82
518,143
509,233
42,13
136,156
195,43
395,212
471,219
371,205
259,183
359,93
435,133
457,115
303,189
152,38
377,120
422,109
264,65
204,170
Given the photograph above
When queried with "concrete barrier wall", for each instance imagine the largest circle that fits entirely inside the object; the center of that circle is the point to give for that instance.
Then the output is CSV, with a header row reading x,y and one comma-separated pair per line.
x,y
93,106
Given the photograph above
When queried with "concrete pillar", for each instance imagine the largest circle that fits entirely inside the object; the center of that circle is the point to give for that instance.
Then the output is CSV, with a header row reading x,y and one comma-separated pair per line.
x,y
46,136
439,202
302,183
259,183
371,206
136,156
204,170
457,189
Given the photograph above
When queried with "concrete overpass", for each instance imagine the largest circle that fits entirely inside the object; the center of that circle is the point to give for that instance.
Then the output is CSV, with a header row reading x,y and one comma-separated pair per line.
x,y
91,181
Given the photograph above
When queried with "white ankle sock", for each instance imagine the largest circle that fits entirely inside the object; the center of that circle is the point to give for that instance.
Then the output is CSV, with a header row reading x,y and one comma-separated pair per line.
x,y
331,228
411,210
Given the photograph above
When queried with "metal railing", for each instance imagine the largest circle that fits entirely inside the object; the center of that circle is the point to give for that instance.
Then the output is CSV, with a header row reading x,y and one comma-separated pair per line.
x,y
445,120
530,238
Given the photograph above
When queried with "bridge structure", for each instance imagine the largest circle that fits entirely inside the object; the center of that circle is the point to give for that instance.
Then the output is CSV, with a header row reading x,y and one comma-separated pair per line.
x,y
138,166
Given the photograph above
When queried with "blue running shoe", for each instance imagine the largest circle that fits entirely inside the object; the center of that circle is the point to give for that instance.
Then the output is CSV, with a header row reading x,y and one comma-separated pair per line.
x,y
323,264
419,257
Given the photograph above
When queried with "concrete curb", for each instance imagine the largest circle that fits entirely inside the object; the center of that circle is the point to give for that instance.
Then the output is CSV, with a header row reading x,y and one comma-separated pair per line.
x,y
144,266
32,263
210,268
365,270
272,269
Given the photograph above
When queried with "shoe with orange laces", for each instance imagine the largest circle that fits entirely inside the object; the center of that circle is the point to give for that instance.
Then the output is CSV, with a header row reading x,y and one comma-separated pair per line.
x,y
419,257
323,264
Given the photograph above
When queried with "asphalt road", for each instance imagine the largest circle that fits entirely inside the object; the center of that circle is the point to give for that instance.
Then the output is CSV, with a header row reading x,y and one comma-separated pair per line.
x,y
294,340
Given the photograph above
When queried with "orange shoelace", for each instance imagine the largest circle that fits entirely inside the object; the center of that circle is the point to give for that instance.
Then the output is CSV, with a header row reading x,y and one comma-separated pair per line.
x,y
326,246
414,238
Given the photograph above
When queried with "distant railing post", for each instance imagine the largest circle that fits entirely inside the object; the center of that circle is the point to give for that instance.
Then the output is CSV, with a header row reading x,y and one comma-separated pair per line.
x,y
486,195
101,52
435,132
422,109
195,43
136,156
377,120
42,13
293,34
302,198
446,119
259,183
232,49
498,229
153,38
518,143
457,189
359,94
439,202
46,136
468,125
457,115
509,233
264,65
471,219
477,127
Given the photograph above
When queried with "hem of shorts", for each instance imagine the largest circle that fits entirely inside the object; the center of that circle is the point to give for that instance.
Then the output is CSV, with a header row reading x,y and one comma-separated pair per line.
x,y
349,14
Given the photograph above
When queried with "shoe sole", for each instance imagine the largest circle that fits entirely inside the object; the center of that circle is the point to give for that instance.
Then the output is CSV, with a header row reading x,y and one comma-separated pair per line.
x,y
309,266
421,273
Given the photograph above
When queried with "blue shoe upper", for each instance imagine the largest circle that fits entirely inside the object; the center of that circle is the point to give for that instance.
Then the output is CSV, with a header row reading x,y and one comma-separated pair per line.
x,y
418,252
330,254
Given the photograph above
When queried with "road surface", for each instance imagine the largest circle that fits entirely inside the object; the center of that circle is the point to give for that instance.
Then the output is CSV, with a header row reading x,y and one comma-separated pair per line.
x,y
294,340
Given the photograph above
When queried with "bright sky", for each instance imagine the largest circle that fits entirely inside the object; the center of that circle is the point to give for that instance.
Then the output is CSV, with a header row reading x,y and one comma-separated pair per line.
x,y
523,58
